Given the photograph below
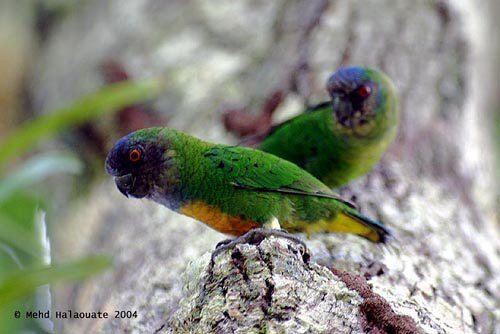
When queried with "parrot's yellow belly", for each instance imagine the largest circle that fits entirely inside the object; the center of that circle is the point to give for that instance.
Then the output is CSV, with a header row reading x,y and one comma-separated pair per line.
x,y
216,219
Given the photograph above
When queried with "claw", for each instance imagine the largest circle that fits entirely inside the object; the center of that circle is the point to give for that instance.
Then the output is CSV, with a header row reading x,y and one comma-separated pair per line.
x,y
222,243
255,237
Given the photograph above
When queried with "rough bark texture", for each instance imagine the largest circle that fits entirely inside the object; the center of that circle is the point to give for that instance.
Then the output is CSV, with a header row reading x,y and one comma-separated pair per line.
x,y
262,287
435,188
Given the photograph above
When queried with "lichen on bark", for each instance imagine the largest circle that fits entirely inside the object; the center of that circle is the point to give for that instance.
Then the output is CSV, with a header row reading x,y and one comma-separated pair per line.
x,y
265,287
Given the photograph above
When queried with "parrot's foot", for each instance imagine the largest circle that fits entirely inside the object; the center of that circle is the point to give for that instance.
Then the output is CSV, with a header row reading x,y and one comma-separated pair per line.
x,y
255,237
223,243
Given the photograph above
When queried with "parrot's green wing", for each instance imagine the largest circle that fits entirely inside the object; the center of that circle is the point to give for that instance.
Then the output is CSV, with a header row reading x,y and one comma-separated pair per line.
x,y
253,169
309,110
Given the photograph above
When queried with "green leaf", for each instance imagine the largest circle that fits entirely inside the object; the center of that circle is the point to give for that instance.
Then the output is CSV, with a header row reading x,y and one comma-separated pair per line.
x,y
9,261
20,207
24,282
109,99
37,169
19,236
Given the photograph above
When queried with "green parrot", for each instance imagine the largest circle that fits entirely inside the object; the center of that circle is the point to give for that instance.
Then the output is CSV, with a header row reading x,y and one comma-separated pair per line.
x,y
231,189
344,138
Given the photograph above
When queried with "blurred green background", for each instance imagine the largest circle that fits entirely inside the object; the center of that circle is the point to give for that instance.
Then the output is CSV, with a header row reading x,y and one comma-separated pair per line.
x,y
28,165
25,257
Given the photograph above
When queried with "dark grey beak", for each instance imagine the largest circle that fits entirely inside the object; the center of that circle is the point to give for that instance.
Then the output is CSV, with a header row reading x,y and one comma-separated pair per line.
x,y
342,108
336,101
124,183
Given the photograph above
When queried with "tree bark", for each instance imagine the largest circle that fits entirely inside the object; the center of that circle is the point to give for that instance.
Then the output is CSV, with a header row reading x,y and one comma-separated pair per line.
x,y
434,188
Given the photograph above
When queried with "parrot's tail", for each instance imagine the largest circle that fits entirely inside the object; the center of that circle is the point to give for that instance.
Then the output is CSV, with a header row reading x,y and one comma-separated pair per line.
x,y
351,221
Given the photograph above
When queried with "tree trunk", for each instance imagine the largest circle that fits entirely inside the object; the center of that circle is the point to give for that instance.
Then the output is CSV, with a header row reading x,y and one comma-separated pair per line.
x,y
434,188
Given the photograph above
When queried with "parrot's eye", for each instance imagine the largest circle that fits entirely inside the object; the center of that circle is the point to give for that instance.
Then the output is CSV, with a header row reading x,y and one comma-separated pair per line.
x,y
364,91
135,155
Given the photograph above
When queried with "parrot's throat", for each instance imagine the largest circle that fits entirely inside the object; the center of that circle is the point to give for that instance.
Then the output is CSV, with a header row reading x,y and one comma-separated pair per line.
x,y
352,115
166,188
355,118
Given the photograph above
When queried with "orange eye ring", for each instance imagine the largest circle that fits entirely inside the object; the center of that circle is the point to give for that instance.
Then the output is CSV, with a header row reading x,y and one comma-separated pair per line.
x,y
135,155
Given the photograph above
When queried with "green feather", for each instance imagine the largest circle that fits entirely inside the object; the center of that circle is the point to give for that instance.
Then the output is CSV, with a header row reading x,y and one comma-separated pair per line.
x,y
263,172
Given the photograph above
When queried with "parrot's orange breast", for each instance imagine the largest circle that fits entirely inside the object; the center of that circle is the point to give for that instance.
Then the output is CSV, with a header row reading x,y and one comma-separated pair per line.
x,y
218,220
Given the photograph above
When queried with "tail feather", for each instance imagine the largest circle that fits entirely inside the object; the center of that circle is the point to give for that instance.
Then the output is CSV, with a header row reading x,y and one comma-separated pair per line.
x,y
351,221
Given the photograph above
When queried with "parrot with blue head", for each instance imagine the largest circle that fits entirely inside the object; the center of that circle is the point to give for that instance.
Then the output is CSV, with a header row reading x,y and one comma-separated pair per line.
x,y
342,139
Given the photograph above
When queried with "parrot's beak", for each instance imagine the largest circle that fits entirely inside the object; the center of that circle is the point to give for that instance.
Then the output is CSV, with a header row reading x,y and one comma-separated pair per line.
x,y
342,108
131,186
124,183
336,102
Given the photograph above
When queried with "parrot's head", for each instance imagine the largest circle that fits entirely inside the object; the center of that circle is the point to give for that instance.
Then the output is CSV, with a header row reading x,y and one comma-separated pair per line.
x,y
141,162
363,100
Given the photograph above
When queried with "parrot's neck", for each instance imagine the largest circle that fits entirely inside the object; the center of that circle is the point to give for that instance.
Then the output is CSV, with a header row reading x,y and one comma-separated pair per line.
x,y
166,189
171,185
167,199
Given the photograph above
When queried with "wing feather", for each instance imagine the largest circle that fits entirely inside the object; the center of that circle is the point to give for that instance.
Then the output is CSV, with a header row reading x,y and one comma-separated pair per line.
x,y
255,170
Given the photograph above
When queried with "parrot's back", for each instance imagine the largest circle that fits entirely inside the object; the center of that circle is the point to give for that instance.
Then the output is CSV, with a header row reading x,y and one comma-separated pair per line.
x,y
307,140
311,141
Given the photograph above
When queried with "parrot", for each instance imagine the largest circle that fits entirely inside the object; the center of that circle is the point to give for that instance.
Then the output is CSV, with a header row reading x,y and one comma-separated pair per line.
x,y
232,189
342,139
